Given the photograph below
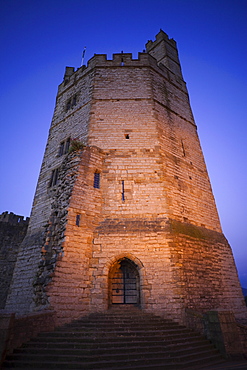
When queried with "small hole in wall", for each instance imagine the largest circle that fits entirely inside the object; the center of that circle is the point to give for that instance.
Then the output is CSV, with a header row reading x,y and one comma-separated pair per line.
x,y
190,177
127,136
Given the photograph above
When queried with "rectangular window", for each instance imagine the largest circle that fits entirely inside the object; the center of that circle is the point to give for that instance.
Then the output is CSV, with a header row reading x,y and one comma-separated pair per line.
x,y
67,145
183,149
96,183
77,221
54,177
68,105
71,102
64,147
61,149
123,196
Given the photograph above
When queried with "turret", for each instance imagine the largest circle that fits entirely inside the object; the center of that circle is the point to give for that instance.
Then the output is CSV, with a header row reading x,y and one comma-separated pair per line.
x,y
164,50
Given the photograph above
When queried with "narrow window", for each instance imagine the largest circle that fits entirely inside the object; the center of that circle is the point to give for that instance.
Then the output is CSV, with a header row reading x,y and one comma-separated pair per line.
x,y
78,218
71,102
51,179
74,101
123,197
96,182
68,105
64,147
61,149
127,136
54,178
183,148
67,145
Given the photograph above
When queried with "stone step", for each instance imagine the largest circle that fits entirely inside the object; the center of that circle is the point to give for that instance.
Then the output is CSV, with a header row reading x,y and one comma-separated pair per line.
x,y
114,341
121,342
136,323
161,362
100,338
131,348
124,333
112,346
113,356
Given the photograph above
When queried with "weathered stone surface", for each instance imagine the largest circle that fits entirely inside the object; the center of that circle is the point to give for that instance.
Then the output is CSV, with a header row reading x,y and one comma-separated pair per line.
x,y
13,229
153,205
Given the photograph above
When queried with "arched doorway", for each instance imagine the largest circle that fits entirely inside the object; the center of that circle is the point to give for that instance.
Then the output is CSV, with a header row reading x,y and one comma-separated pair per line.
x,y
124,283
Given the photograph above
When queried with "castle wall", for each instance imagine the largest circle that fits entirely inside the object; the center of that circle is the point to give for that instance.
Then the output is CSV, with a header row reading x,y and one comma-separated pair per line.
x,y
181,266
66,123
154,205
13,229
71,277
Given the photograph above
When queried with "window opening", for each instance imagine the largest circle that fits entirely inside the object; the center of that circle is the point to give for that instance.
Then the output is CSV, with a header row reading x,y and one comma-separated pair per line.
x,y
74,101
67,145
71,102
183,148
127,136
96,182
78,218
123,197
54,178
61,149
68,105
64,147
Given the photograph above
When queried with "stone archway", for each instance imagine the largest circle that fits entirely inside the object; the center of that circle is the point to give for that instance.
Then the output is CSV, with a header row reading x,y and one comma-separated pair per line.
x,y
124,283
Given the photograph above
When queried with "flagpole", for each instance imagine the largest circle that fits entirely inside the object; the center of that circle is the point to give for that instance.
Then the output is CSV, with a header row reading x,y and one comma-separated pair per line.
x,y
83,55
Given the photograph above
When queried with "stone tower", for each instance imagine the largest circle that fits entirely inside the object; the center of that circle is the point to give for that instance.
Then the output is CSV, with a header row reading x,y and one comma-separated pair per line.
x,y
124,211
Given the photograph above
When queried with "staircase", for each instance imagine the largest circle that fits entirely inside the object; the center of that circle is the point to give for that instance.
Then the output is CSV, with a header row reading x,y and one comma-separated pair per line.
x,y
121,338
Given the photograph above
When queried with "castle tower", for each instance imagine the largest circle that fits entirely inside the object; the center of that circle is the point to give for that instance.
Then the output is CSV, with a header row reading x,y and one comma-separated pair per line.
x,y
124,211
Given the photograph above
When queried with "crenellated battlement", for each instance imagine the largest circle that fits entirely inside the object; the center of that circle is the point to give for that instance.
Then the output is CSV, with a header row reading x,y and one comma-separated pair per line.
x,y
161,53
117,60
120,60
13,219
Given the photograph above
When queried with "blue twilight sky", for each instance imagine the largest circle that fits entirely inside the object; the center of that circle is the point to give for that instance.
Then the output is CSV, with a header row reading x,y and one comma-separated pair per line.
x,y
38,38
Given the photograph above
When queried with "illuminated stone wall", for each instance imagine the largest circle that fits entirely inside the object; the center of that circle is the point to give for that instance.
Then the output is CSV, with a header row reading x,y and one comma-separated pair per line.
x,y
154,205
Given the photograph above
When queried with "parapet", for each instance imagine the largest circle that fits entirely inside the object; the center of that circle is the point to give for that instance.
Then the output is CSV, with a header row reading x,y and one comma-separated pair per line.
x,y
119,60
13,219
161,53
100,60
68,73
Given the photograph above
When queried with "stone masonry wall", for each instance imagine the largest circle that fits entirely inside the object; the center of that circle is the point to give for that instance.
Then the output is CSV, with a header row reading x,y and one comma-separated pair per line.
x,y
70,288
143,117
52,250
66,123
181,266
13,229
154,205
